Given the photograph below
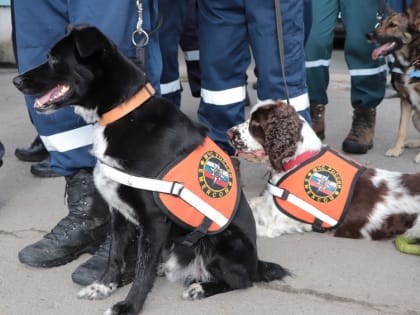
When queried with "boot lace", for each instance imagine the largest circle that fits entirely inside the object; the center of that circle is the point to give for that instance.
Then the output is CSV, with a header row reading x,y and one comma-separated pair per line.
x,y
77,202
72,222
361,122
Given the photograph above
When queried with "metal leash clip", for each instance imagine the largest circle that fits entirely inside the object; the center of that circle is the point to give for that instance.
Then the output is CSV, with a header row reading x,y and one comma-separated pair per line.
x,y
140,38
379,18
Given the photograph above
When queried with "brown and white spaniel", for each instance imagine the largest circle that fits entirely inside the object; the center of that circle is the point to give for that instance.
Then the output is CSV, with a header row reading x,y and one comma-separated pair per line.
x,y
384,203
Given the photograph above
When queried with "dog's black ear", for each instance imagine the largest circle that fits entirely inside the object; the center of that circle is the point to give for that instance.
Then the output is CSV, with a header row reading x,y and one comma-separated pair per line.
x,y
88,40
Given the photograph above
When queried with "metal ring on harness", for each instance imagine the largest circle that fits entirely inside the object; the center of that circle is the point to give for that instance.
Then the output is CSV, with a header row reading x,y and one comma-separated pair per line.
x,y
143,39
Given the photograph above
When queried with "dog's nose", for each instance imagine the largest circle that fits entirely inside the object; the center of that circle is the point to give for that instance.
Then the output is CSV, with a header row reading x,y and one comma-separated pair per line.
x,y
230,134
370,35
18,81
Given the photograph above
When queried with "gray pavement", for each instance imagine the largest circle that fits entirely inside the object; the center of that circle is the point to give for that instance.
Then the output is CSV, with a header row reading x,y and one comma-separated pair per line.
x,y
330,275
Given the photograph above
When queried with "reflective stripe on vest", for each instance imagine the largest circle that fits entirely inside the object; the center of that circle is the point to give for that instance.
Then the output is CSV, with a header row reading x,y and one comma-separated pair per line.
x,y
319,190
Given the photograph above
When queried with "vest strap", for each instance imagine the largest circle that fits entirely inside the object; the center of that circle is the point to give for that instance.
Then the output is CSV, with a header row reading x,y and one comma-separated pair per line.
x,y
193,237
317,226
167,187
302,204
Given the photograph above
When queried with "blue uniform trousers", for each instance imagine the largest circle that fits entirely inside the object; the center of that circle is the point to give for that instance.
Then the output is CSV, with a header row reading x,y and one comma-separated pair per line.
x,y
227,31
368,76
178,29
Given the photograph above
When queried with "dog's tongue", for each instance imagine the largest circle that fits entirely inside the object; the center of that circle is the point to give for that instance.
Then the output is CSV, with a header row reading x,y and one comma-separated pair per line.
x,y
51,96
380,51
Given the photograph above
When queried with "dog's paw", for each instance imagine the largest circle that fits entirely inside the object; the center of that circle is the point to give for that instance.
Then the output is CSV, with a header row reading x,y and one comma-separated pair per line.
x,y
121,308
96,291
417,158
195,291
394,152
255,202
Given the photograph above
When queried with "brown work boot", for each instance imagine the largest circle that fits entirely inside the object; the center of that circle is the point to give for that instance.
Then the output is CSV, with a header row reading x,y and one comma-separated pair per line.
x,y
318,119
360,138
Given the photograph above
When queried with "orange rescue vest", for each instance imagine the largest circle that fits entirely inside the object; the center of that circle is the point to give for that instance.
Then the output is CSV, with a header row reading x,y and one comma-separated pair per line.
x,y
319,190
208,173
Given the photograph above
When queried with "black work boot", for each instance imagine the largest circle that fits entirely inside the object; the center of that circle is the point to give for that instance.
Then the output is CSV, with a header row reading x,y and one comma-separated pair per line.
x,y
36,152
93,269
318,119
360,138
81,231
43,169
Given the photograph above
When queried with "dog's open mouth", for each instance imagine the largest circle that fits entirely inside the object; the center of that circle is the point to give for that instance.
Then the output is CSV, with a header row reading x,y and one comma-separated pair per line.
x,y
58,93
254,156
384,49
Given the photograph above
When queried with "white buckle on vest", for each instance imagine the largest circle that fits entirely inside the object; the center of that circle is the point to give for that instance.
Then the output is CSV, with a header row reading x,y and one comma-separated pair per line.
x,y
176,189
163,186
302,204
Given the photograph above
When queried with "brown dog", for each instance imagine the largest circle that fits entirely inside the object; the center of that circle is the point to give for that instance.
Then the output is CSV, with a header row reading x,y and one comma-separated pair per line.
x,y
399,35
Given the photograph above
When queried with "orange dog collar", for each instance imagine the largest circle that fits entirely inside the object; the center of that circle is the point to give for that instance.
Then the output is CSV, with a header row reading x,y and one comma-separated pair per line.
x,y
128,106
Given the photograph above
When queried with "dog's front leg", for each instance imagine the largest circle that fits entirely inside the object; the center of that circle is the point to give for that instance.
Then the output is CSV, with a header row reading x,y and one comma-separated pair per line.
x,y
402,130
151,242
122,234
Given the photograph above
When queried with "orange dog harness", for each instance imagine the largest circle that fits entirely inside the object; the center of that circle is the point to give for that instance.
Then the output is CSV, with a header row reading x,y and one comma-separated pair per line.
x,y
200,192
319,190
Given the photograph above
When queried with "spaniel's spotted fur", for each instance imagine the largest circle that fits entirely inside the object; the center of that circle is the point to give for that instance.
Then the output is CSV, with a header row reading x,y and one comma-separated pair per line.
x,y
384,203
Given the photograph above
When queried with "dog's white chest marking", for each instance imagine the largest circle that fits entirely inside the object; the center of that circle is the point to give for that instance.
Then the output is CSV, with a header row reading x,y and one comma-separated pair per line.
x,y
89,115
109,188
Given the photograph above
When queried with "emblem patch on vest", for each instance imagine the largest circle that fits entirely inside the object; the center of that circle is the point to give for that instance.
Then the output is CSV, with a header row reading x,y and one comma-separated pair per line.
x,y
323,184
214,175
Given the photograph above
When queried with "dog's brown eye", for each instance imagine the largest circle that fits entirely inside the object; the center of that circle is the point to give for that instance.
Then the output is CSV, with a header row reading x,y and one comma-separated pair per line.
x,y
58,65
392,24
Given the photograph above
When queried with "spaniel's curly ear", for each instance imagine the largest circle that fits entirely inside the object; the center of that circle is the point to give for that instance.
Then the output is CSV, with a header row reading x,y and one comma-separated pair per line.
x,y
258,123
278,128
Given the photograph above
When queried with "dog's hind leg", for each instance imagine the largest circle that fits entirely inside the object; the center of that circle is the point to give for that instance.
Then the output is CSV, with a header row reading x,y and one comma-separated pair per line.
x,y
201,290
415,143
266,272
402,130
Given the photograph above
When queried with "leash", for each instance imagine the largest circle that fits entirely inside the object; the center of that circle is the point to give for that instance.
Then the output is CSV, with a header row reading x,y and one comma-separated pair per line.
x,y
279,28
140,38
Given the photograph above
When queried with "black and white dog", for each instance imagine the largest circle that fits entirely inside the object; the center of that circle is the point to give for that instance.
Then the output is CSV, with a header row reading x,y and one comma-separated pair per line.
x,y
139,135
